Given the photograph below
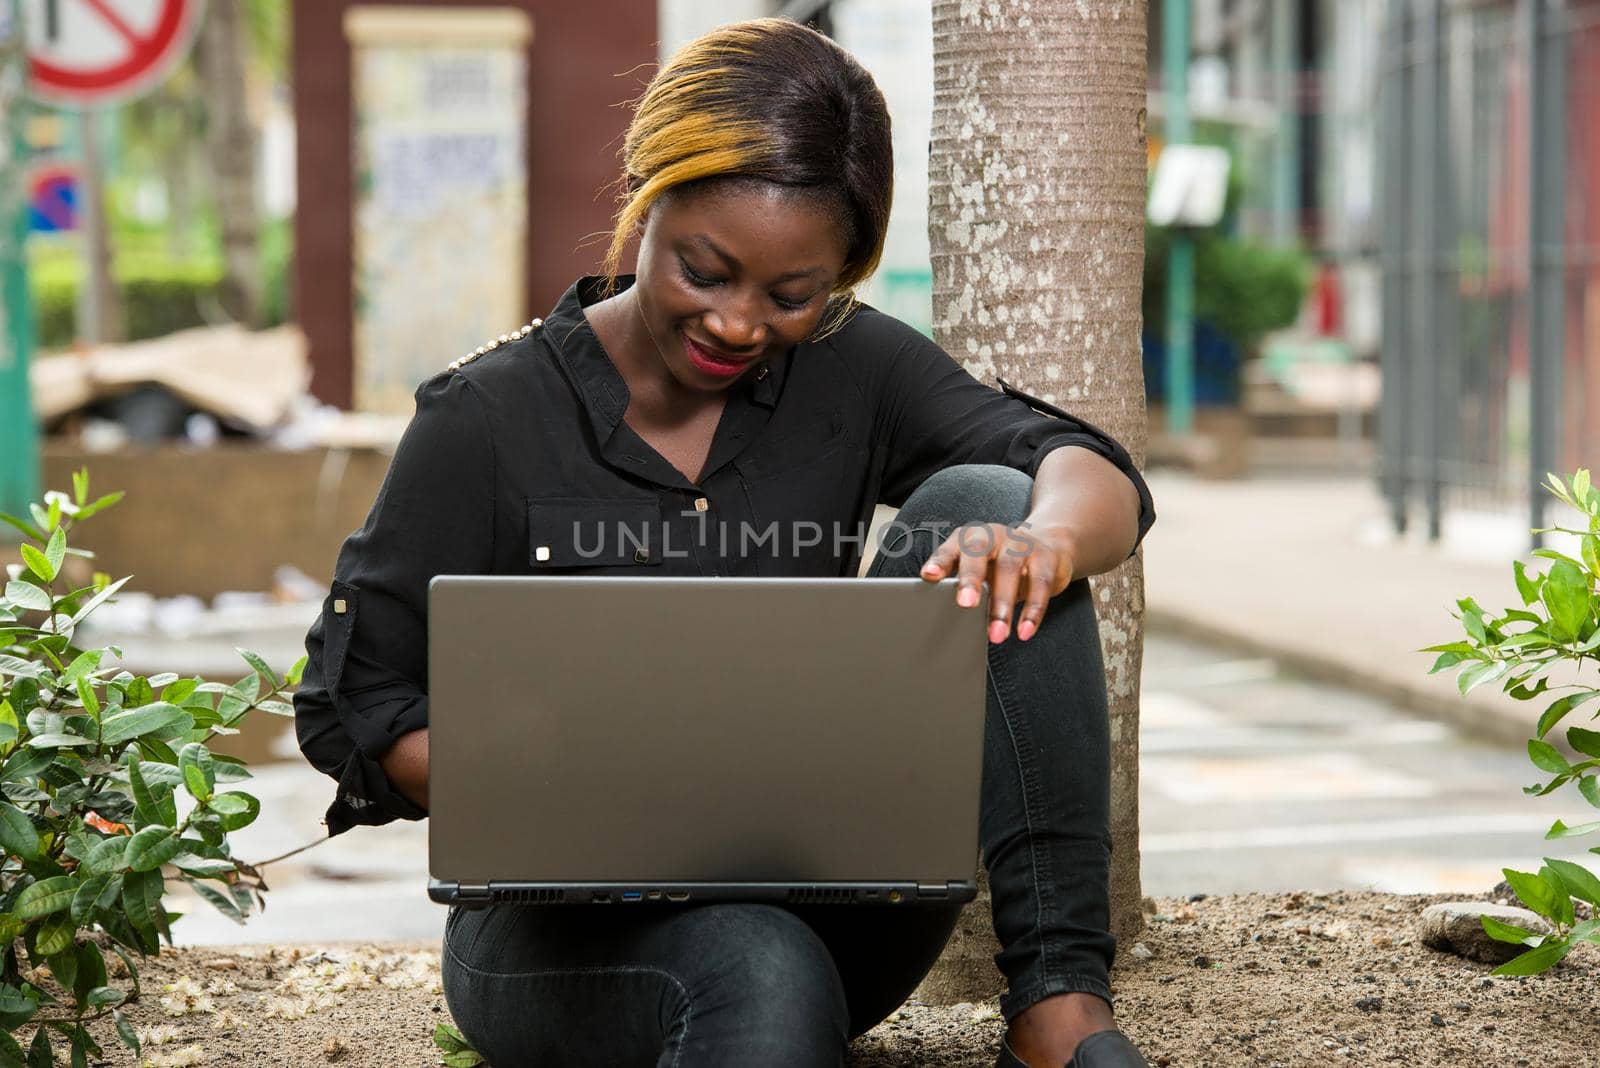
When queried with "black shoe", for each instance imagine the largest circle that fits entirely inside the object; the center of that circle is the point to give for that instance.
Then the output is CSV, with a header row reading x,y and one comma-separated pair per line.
x,y
1102,1049
1107,1049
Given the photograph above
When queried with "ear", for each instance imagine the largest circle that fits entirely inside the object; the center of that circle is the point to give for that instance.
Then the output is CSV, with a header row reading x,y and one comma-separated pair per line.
x,y
643,221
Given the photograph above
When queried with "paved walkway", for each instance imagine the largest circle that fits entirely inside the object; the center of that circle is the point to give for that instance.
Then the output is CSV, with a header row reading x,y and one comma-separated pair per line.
x,y
1309,572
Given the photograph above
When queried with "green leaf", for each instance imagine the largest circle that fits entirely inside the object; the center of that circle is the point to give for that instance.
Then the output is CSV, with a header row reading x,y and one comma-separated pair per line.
x,y
27,528
125,1031
1535,960
37,562
45,897
58,741
1566,595
64,966
1579,881
1589,787
25,594
1558,890
1584,741
39,1053
1446,660
97,600
464,1059
83,899
1546,757
1559,709
266,673
1535,893
101,996
179,691
198,772
1580,487
55,551
294,674
219,901
17,832
1478,674
106,856
138,693
141,897
1527,586
1524,693
103,503
152,847
16,1006
1591,553
237,809
203,867
158,719
1561,830
55,935
153,804
80,486
1505,932
449,1039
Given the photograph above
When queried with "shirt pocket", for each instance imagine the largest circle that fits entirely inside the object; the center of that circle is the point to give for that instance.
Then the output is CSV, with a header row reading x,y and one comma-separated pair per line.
x,y
566,533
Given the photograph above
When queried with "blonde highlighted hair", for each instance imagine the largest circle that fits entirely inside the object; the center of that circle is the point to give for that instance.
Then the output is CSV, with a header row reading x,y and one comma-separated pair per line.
x,y
767,100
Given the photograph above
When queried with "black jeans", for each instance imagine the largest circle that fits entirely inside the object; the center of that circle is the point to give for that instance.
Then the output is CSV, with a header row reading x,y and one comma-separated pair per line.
x,y
730,984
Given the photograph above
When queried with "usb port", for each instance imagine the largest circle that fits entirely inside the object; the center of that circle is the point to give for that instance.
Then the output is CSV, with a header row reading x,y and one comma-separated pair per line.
x,y
632,895
677,895
654,895
601,898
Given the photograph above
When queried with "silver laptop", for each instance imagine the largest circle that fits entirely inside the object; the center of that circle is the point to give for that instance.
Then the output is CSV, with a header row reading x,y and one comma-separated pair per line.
x,y
658,740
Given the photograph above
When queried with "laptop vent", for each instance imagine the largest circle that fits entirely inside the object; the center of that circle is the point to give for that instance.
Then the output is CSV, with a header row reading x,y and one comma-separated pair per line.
x,y
529,896
821,895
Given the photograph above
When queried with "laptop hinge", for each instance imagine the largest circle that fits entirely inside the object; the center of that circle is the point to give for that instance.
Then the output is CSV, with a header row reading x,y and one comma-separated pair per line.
x,y
933,890
473,892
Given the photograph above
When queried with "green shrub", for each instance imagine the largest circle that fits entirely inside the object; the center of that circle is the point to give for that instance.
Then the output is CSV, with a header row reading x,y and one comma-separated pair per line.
x,y
91,760
158,297
1242,289
1558,626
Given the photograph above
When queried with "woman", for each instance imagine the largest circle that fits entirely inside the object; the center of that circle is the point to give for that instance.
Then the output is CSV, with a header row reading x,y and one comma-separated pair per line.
x,y
733,381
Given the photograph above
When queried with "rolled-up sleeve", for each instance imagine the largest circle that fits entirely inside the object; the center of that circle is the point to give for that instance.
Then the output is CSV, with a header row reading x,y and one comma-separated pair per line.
x,y
932,414
366,676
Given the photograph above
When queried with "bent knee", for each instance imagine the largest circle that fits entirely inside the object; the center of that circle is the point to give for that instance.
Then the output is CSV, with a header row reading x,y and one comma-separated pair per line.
x,y
776,972
971,493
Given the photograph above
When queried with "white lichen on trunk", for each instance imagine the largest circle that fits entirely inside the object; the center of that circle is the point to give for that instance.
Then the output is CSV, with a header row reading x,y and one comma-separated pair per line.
x,y
1036,205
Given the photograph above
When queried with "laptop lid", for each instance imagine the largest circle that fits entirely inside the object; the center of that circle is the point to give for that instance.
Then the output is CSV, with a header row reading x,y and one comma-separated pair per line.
x,y
644,738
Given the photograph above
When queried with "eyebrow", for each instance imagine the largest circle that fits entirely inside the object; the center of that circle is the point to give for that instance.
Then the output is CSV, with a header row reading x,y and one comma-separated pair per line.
x,y
733,262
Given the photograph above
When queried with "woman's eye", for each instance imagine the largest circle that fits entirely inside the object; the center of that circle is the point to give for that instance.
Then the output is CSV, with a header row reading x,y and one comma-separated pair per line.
x,y
788,304
695,278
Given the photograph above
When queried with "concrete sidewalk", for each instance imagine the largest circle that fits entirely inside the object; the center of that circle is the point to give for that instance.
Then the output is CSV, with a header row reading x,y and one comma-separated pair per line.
x,y
1308,571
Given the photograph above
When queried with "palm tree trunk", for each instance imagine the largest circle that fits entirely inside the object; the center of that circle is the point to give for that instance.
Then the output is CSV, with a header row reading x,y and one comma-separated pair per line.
x,y
231,146
1036,207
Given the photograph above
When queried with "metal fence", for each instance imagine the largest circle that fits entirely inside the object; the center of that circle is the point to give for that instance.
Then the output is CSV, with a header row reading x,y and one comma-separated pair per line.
x,y
1490,244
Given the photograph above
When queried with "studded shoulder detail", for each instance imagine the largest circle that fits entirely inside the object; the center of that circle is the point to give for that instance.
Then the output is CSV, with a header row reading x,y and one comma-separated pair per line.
x,y
515,335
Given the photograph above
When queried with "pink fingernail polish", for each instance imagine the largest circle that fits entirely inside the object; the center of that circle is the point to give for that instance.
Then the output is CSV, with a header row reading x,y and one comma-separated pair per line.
x,y
967,597
1025,629
997,631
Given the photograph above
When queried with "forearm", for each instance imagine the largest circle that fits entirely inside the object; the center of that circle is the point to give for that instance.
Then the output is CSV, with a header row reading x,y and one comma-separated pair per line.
x,y
1086,501
406,765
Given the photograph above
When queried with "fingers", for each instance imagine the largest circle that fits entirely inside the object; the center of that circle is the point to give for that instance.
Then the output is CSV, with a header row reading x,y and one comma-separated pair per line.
x,y
1018,568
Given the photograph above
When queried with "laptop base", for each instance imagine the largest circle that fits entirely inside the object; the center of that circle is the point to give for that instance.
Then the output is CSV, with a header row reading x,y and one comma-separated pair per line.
x,y
482,895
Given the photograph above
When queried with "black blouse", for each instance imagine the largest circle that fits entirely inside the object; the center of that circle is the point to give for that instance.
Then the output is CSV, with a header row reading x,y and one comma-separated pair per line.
x,y
518,461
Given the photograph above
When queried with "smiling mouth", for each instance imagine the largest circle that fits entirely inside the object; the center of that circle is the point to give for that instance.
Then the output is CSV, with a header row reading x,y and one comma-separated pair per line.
x,y
708,359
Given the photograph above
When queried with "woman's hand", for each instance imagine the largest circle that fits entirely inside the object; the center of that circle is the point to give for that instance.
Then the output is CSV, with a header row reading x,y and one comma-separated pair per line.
x,y
1023,566
406,765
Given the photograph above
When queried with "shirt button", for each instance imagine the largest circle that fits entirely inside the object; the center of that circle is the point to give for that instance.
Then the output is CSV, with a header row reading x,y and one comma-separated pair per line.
x,y
701,504
641,555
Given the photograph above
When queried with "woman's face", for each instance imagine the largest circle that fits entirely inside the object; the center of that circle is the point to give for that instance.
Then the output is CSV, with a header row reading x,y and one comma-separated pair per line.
x,y
733,273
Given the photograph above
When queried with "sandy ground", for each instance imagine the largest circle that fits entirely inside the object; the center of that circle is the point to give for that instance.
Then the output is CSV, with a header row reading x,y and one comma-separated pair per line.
x,y
1299,979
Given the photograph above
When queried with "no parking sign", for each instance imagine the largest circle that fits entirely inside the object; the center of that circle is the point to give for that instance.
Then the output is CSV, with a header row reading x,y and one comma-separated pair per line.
x,y
104,51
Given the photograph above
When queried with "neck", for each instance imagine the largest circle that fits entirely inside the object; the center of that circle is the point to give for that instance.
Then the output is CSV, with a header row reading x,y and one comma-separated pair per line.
x,y
652,390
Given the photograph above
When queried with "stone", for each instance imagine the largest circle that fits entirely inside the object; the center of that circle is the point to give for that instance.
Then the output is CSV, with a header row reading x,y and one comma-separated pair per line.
x,y
1141,951
1456,927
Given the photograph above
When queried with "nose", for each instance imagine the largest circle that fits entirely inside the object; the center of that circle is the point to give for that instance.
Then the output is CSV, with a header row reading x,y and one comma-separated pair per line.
x,y
735,325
